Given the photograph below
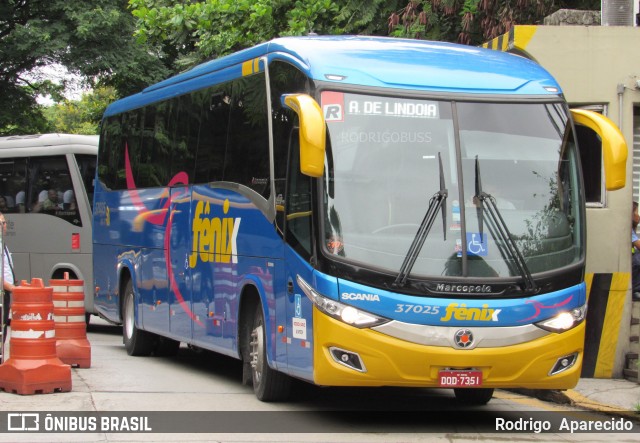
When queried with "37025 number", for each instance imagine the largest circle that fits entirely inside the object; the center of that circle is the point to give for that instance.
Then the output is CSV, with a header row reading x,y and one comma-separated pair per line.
x,y
417,309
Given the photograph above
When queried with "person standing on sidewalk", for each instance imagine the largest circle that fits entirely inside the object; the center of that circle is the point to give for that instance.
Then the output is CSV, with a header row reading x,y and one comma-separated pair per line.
x,y
8,280
635,254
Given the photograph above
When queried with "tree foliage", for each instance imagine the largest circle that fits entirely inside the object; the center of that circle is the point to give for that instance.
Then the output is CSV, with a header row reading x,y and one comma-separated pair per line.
x,y
92,38
201,30
198,30
80,116
129,44
473,21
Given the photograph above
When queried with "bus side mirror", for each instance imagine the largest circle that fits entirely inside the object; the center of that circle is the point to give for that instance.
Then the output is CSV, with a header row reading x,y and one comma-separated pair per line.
x,y
614,147
312,132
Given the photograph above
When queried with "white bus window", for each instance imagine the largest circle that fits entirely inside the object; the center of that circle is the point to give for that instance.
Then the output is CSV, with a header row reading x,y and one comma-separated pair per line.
x,y
12,184
50,179
87,167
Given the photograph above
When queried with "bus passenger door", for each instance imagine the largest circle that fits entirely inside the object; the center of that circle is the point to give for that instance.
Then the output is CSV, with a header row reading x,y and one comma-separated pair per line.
x,y
178,248
299,238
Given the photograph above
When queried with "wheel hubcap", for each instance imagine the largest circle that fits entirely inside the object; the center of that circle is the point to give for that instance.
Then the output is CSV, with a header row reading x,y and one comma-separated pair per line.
x,y
256,353
128,320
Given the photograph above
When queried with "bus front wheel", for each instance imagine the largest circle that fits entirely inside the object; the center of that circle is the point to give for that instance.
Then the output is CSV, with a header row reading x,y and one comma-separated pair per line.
x,y
268,384
137,342
475,396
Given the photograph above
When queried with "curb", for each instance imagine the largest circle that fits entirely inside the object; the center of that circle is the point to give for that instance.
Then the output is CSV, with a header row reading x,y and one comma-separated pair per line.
x,y
550,395
580,400
574,398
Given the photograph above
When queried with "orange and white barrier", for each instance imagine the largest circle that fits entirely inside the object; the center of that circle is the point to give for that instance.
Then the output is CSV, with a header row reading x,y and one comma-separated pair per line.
x,y
72,345
33,366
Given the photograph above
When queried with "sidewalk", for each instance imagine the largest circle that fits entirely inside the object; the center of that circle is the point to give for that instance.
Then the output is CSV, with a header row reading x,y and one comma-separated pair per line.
x,y
614,396
606,394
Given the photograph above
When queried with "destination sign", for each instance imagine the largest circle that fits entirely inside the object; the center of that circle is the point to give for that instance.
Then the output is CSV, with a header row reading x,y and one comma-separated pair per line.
x,y
336,105
393,109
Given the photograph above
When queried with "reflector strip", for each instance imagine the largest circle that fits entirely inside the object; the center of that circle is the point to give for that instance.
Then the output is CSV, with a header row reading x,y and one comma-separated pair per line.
x,y
69,318
31,334
68,288
68,304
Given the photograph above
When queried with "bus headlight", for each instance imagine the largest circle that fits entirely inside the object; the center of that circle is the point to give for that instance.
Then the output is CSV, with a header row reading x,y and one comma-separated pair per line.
x,y
565,320
345,313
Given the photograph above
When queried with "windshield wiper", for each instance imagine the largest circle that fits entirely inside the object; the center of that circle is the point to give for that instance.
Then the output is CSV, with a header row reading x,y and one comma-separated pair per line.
x,y
435,204
491,208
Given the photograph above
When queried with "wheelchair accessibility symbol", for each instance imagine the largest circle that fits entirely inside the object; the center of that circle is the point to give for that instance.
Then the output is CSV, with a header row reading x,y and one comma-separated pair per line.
x,y
298,304
476,244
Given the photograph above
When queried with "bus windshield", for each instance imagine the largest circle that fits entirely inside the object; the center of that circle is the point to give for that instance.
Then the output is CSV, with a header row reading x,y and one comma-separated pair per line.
x,y
387,158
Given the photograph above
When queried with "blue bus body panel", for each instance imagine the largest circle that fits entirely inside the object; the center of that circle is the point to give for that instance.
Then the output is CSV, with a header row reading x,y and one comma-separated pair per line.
x,y
416,65
189,257
371,62
461,311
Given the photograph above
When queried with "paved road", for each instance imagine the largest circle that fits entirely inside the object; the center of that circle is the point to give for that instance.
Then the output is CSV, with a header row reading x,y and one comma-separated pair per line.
x,y
203,382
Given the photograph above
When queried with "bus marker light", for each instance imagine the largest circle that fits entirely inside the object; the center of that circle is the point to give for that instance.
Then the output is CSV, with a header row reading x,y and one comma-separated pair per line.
x,y
280,329
75,241
347,358
564,363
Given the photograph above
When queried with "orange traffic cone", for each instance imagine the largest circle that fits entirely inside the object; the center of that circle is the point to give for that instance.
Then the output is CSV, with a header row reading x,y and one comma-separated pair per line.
x,y
72,345
33,366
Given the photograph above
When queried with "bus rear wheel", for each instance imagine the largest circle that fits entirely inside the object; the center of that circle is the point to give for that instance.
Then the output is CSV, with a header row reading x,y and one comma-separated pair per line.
x,y
268,384
473,396
137,342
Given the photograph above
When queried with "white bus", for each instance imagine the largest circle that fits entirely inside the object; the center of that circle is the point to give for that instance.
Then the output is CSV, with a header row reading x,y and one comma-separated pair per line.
x,y
46,193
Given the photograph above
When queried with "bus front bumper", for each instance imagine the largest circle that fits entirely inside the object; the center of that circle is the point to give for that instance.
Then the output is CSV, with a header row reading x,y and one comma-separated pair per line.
x,y
389,361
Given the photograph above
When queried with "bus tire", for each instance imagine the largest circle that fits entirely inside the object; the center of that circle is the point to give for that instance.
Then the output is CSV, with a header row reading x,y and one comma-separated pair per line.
x,y
473,396
268,384
137,342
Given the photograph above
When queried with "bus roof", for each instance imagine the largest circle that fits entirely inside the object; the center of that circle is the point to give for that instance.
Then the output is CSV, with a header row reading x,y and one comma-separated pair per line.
x,y
371,62
48,144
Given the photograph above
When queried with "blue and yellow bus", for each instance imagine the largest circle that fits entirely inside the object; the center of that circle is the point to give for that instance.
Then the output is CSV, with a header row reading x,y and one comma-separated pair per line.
x,y
352,211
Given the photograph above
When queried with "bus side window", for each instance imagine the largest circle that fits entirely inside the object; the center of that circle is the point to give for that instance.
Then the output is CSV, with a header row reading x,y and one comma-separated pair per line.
x,y
12,183
111,153
213,104
184,135
247,158
591,161
284,79
298,204
87,166
50,178
154,163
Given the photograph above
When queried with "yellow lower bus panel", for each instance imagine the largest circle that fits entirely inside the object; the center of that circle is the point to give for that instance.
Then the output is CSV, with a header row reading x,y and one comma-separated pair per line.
x,y
389,361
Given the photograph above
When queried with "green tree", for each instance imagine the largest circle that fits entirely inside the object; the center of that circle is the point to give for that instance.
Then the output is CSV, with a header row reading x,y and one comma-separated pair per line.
x,y
473,21
199,30
80,116
92,38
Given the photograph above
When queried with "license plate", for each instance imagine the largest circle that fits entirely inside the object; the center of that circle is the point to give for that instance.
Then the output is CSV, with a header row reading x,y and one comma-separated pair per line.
x,y
460,379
